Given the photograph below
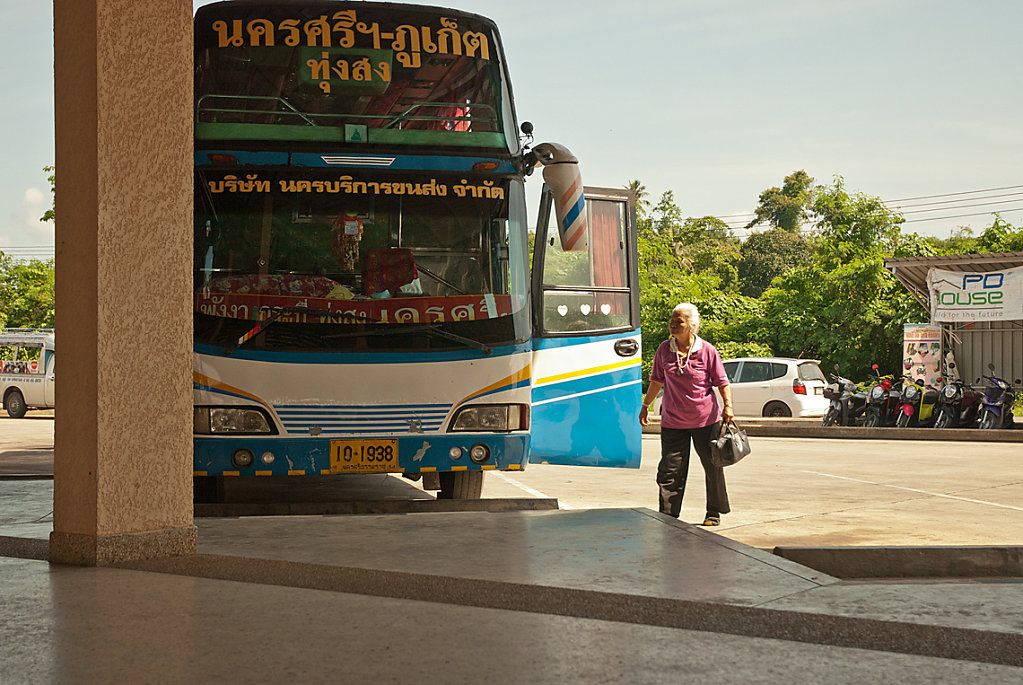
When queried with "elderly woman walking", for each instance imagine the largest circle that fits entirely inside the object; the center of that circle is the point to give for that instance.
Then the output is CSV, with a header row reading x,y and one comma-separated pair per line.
x,y
688,368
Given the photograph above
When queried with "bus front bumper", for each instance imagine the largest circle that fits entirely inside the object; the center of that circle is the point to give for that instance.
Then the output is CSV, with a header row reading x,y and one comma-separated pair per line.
x,y
275,455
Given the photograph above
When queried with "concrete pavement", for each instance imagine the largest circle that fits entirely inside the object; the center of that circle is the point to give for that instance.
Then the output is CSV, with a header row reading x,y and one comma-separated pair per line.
x,y
602,595
573,596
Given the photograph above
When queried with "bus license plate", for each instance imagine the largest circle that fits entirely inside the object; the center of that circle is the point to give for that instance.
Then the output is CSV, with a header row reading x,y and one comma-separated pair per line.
x,y
364,456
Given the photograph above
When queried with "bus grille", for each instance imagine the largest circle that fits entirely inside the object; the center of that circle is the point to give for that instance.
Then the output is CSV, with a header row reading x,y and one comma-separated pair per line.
x,y
348,420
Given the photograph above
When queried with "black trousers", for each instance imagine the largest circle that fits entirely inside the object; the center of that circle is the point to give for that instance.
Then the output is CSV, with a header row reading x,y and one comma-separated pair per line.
x,y
674,467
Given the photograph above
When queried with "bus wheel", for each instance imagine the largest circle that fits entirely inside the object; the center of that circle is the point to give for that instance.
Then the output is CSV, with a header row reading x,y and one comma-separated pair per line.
x,y
460,485
207,489
15,405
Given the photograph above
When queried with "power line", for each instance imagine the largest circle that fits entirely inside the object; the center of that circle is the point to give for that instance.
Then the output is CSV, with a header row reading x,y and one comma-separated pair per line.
x,y
959,216
982,204
965,192
948,202
751,215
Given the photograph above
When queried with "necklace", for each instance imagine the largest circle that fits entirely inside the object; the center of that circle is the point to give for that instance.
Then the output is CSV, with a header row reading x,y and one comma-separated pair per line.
x,y
682,359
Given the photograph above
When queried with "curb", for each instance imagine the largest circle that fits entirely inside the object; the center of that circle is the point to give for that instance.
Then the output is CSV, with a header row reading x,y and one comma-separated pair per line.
x,y
397,506
811,428
966,561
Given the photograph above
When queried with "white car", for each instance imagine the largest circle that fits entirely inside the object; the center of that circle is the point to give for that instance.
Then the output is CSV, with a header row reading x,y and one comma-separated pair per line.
x,y
777,386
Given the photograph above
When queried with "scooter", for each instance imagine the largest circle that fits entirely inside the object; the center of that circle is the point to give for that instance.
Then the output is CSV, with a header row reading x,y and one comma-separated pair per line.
x,y
918,403
996,407
846,404
958,406
882,402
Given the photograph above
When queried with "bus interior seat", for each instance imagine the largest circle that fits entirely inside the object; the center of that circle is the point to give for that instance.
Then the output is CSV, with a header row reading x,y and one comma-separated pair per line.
x,y
388,269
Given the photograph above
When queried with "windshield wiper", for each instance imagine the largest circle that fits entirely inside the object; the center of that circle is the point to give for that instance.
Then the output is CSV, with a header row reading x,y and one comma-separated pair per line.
x,y
433,328
391,329
278,312
428,328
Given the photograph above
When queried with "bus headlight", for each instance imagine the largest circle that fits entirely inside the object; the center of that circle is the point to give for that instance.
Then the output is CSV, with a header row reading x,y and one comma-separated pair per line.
x,y
219,420
491,418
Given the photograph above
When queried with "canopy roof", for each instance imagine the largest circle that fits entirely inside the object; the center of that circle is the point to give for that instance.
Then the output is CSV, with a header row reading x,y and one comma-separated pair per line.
x,y
912,271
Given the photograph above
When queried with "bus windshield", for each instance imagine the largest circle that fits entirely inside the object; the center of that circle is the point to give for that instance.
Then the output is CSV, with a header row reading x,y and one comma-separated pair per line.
x,y
333,256
357,73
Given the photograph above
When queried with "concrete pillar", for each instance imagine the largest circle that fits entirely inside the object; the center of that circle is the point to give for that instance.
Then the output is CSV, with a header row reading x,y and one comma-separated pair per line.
x,y
122,445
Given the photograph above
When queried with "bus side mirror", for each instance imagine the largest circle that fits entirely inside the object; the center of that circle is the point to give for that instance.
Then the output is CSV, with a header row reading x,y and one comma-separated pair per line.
x,y
561,174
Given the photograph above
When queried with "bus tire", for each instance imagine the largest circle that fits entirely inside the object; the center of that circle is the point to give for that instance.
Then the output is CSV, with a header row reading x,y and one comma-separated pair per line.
x,y
460,485
15,405
207,489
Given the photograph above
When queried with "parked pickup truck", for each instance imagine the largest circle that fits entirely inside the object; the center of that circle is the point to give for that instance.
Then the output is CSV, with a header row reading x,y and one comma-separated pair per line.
x,y
26,370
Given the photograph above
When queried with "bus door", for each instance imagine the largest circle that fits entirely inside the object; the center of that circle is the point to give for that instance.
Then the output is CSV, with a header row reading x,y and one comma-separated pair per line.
x,y
586,368
48,362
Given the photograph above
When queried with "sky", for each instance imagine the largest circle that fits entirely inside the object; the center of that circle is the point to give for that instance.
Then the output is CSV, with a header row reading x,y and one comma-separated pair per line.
x,y
713,100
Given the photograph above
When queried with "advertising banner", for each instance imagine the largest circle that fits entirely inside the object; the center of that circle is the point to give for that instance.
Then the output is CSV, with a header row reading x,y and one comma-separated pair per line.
x,y
987,296
921,352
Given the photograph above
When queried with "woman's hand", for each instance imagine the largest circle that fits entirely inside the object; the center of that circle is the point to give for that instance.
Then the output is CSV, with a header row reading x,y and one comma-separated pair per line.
x,y
727,414
644,420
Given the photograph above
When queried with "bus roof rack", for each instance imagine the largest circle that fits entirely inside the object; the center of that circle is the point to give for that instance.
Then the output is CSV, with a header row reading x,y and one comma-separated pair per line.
x,y
15,336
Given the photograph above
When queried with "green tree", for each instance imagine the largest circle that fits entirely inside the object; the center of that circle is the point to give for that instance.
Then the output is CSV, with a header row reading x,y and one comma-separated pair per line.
x,y
1000,236
960,241
851,315
764,256
26,293
785,207
667,217
50,215
914,245
642,203
706,245
853,226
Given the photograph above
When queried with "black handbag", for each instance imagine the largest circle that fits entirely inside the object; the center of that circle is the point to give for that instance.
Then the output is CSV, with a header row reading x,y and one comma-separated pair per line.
x,y
730,447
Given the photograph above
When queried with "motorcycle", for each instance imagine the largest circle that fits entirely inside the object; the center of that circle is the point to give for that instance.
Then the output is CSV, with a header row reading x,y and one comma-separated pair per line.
x,y
958,406
996,407
918,403
846,404
882,402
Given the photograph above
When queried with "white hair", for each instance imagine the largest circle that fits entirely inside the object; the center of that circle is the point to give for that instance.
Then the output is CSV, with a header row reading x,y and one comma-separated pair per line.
x,y
691,313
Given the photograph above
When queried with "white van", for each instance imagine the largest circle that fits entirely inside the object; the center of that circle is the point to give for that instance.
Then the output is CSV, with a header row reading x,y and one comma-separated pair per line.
x,y
26,379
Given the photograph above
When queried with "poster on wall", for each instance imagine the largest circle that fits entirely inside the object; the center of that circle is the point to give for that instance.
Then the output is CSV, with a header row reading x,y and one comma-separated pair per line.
x,y
986,296
921,352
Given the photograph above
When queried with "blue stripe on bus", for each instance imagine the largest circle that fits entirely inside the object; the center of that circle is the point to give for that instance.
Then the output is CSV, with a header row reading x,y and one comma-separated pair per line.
x,y
339,358
551,343
576,386
524,383
218,391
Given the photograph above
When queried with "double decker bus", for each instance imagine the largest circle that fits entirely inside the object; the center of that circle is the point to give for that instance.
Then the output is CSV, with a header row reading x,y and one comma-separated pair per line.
x,y
364,299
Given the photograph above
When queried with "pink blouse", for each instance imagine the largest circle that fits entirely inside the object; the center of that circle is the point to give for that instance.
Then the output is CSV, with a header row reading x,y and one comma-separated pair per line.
x,y
689,400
